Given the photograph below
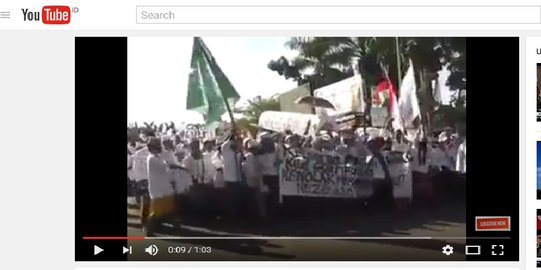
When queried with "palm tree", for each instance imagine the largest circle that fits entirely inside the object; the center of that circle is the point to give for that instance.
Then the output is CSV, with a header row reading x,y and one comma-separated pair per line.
x,y
251,112
325,60
323,54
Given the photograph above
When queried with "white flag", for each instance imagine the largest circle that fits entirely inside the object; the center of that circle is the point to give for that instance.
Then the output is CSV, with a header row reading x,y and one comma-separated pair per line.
x,y
436,91
408,103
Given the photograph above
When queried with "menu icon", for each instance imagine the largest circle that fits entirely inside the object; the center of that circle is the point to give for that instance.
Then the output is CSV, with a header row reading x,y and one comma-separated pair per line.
x,y
5,14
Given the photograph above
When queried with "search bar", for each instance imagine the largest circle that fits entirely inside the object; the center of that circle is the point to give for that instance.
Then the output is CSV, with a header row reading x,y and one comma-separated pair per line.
x,y
337,15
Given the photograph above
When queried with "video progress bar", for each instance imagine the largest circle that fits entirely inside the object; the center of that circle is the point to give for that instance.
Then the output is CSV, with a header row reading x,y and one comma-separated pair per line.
x,y
319,238
131,238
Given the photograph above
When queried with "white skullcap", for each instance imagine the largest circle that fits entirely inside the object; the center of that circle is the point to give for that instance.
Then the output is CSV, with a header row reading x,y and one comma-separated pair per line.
x,y
442,137
246,141
251,143
325,137
264,135
288,138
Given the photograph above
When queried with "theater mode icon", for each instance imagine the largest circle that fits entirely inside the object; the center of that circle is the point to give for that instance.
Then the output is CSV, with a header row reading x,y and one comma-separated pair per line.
x,y
473,250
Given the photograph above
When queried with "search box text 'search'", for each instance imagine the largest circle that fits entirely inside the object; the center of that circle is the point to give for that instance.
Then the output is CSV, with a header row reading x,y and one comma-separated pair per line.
x,y
336,15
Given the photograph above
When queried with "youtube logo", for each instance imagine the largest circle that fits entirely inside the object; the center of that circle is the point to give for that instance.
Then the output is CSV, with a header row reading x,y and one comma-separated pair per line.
x,y
50,14
56,14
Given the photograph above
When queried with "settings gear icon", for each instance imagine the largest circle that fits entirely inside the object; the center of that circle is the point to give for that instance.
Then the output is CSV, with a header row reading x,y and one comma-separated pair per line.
x,y
447,250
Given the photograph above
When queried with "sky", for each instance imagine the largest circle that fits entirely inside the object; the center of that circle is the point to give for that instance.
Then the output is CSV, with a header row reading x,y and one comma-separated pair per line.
x,y
158,69
539,165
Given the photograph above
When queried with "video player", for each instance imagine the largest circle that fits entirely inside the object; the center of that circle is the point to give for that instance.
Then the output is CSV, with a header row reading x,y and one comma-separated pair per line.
x,y
296,148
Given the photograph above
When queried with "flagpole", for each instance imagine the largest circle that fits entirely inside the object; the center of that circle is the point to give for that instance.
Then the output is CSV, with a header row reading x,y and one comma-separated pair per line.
x,y
233,125
202,53
234,131
386,77
398,62
366,96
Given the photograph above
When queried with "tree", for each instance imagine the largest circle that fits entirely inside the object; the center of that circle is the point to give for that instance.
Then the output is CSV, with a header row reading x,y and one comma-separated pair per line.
x,y
330,59
321,61
251,112
325,60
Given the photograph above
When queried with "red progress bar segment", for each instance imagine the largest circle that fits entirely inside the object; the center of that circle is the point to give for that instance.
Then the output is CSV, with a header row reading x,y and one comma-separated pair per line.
x,y
135,237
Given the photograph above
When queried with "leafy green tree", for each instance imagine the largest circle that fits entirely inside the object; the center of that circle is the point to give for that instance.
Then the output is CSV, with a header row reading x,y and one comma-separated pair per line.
x,y
253,110
325,60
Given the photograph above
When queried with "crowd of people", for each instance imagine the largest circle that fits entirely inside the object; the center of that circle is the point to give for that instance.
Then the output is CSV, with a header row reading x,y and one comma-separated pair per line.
x,y
163,169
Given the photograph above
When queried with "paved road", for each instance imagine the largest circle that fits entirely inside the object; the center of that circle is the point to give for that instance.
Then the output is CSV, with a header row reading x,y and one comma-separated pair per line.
x,y
445,224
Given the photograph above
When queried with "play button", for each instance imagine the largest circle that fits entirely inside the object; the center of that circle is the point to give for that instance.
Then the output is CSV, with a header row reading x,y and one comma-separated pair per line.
x,y
97,250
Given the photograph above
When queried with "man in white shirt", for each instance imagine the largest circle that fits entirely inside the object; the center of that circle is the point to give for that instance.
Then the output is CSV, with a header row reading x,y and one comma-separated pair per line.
x,y
399,143
461,158
269,162
161,193
439,158
131,183
168,151
252,171
131,147
231,161
376,165
193,162
444,178
232,175
218,163
250,166
208,155
383,187
139,173
419,155
354,148
458,178
179,179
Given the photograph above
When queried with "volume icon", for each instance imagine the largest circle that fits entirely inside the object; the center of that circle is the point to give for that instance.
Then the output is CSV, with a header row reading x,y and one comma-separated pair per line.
x,y
152,250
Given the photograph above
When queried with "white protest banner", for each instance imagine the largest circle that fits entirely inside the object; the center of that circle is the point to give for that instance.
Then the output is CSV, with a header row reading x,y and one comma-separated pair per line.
x,y
296,122
323,174
319,174
343,95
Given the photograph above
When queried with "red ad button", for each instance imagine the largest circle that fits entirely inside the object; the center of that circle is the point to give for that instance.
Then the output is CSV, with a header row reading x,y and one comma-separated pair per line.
x,y
492,223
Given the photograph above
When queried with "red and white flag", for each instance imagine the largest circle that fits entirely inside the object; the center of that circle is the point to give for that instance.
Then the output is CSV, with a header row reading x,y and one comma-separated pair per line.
x,y
385,95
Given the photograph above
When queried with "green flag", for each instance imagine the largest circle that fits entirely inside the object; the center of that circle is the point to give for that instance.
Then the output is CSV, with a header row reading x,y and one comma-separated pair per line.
x,y
208,87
